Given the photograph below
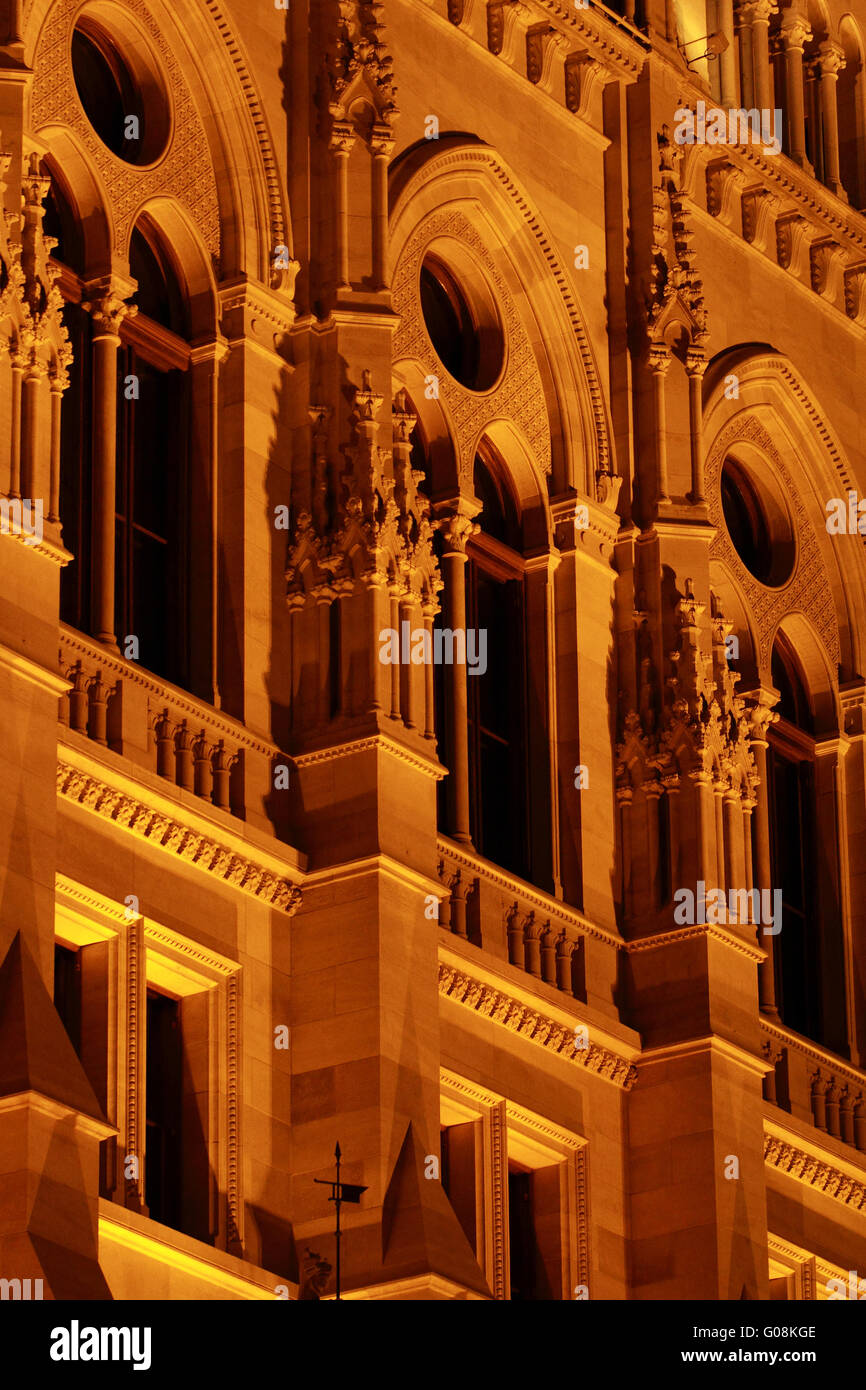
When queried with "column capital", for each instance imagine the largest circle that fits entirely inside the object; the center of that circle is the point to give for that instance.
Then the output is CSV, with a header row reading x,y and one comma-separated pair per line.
x,y
105,301
455,522
795,31
761,712
831,58
342,138
757,11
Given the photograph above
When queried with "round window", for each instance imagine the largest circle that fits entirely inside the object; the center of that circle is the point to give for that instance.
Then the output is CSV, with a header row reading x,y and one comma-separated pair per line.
x,y
462,322
124,100
758,523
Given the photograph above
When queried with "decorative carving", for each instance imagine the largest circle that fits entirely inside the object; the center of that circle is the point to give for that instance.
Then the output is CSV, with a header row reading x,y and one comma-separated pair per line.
x,y
583,73
535,1026
805,1167
675,291
809,585
111,804
520,394
543,42
358,62
184,169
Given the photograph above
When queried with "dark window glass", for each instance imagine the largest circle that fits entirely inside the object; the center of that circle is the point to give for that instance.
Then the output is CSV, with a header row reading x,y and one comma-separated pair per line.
x,y
76,477
107,92
61,223
67,991
158,294
151,578
163,1177
746,523
449,321
521,1237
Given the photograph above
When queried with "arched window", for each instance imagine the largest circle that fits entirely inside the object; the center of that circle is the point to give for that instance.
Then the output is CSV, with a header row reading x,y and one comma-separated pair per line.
x,y
151,581
808,963
152,475
496,690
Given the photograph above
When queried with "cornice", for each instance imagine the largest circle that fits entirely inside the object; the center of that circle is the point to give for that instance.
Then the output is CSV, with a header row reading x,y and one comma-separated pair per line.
x,y
32,671
716,930
535,1025
814,1169
374,743
174,828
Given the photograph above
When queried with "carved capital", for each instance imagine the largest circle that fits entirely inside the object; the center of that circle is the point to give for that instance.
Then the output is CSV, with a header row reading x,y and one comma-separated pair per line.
x,y
108,311
831,58
795,31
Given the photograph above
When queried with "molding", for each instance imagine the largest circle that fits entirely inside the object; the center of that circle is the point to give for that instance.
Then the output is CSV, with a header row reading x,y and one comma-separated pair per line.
x,y
30,670
371,864
171,827
374,742
732,1052
814,1167
715,930
57,1113
535,1025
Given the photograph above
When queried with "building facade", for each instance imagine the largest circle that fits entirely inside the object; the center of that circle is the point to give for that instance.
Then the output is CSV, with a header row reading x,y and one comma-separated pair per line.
x,y
431,647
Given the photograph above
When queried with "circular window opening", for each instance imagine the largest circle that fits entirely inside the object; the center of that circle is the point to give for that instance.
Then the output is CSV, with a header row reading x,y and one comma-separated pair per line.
x,y
463,324
123,99
758,524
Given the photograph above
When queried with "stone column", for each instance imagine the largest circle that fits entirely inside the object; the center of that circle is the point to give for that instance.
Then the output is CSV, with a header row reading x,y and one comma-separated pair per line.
x,y
728,59
795,34
762,716
831,60
381,145
659,362
696,365
456,529
107,311
761,11
59,383
30,481
747,78
15,428
342,140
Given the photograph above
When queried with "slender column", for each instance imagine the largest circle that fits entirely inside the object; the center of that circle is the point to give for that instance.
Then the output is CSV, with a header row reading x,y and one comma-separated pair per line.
x,y
397,667
761,12
795,34
761,717
407,670
721,877
727,60
342,140
30,430
652,797
672,788
812,105
17,383
206,358
456,530
747,77
59,382
429,714
107,311
659,362
625,796
695,367
734,869
831,59
746,809
381,145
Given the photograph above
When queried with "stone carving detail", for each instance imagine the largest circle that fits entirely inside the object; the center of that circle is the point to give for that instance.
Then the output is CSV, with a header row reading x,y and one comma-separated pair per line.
x,y
376,525
184,170
520,394
675,290
696,724
807,589
176,838
532,1024
805,1167
30,297
358,61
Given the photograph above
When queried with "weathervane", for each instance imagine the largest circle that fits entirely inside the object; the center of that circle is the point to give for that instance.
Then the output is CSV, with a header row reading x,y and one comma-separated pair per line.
x,y
340,1192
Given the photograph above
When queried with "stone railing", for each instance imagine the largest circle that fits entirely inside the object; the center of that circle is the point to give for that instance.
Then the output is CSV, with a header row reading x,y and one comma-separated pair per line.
x,y
508,918
815,1086
155,725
